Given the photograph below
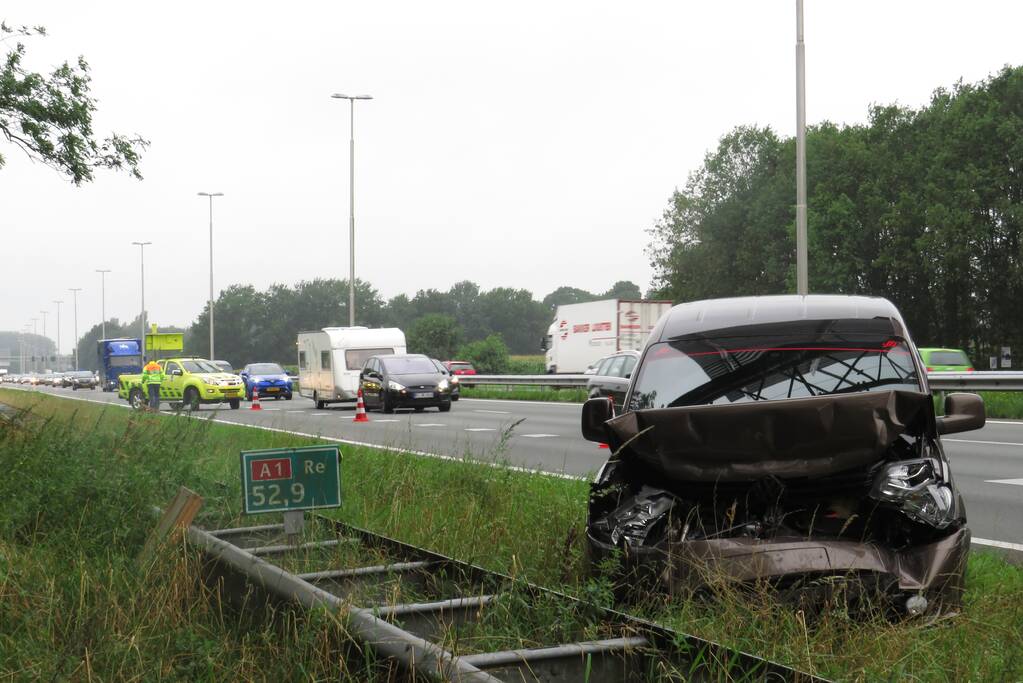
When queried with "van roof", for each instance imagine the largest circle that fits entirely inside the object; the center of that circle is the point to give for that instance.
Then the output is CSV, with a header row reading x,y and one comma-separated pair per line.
x,y
349,337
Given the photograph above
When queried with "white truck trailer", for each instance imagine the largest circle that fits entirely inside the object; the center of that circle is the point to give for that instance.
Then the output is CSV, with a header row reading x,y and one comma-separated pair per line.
x,y
330,360
584,333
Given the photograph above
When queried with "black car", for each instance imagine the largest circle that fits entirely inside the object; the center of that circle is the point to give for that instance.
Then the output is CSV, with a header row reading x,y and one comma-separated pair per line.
x,y
611,378
787,440
81,379
404,381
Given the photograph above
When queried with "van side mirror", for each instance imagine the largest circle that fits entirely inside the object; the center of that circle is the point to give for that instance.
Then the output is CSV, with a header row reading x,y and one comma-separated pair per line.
x,y
596,412
963,412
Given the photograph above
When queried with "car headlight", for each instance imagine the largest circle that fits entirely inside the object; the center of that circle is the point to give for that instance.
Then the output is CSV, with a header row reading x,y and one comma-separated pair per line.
x,y
442,385
914,487
394,386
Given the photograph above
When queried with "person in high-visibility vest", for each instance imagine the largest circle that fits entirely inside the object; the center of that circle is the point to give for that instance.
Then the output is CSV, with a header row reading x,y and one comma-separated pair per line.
x,y
152,378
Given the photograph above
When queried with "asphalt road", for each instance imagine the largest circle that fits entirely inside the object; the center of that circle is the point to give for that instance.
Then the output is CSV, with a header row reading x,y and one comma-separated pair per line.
x,y
987,464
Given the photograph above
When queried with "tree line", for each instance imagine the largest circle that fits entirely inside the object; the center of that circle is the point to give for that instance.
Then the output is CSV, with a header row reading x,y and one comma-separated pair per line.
x,y
921,206
262,325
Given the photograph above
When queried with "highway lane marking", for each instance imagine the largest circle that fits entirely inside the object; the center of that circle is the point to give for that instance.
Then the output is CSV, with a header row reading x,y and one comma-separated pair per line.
x,y
492,412
479,429
378,420
296,411
986,443
429,424
1014,482
537,436
319,414
1005,545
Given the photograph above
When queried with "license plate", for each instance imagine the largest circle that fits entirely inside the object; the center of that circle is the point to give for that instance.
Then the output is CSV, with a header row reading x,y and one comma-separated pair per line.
x,y
421,394
271,389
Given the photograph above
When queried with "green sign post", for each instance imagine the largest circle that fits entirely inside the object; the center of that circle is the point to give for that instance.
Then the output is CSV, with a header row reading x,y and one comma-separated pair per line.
x,y
290,479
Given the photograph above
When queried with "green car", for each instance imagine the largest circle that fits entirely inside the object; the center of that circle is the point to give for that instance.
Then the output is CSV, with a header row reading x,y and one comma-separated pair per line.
x,y
946,360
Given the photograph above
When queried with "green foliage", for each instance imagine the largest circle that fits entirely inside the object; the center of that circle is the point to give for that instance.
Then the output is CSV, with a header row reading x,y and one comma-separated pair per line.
x,y
919,206
50,117
527,365
434,334
489,356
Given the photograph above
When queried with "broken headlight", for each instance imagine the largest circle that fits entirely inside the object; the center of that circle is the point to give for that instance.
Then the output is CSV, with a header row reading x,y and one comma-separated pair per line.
x,y
914,487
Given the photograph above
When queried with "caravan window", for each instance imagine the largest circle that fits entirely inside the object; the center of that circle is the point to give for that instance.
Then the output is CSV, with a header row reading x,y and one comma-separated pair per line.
x,y
325,360
355,359
301,360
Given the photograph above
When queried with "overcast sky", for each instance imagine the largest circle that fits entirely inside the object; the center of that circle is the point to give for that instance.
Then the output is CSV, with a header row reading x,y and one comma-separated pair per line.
x,y
525,144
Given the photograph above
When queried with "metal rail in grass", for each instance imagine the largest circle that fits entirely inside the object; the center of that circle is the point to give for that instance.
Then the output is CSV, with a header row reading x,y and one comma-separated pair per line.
x,y
450,598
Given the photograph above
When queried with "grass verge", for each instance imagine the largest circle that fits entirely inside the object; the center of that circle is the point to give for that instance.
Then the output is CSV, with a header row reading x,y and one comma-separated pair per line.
x,y
573,395
73,605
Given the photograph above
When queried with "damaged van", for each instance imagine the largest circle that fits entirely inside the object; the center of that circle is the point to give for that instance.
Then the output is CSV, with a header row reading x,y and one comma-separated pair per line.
x,y
786,440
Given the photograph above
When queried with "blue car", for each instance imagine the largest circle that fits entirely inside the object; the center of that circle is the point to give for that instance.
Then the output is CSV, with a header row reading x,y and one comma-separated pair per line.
x,y
269,378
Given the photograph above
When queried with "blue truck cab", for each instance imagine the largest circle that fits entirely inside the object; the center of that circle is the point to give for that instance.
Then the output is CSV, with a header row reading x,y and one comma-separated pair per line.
x,y
118,357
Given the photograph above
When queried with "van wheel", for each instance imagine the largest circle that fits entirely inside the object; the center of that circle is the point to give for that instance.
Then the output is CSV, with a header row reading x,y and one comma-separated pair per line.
x,y
444,407
385,405
320,405
191,398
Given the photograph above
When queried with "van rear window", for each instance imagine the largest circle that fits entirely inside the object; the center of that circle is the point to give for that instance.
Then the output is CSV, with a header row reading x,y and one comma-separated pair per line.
x,y
355,359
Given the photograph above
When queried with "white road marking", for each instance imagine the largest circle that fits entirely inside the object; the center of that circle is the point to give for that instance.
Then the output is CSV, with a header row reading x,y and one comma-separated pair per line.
x,y
492,412
1005,545
429,424
1014,482
388,420
1005,422
479,429
319,414
271,408
986,443
537,436
296,411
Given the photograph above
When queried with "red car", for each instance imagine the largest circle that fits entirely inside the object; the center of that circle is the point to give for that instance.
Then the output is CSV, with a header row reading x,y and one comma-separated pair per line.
x,y
459,367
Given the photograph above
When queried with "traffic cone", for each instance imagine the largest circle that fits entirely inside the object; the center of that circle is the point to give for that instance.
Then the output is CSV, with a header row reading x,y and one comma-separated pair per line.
x,y
255,400
360,409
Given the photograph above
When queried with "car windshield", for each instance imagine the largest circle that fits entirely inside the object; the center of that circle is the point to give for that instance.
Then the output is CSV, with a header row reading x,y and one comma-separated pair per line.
x,y
265,369
769,362
199,366
947,358
409,365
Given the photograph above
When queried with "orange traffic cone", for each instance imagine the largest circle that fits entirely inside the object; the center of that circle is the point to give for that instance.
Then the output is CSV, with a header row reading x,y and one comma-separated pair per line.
x,y
255,400
360,409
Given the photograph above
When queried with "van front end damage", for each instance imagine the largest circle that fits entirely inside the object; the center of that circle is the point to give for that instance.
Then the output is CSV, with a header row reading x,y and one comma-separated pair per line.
x,y
845,494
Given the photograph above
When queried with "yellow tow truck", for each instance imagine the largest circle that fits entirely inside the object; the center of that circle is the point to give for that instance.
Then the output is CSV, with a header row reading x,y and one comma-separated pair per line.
x,y
188,382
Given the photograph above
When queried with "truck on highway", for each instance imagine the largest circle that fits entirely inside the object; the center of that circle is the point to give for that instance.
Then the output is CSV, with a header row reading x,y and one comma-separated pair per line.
x,y
582,334
118,357
330,360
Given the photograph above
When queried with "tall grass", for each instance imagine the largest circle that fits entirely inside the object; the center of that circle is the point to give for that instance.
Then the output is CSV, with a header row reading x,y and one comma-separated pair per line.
x,y
73,604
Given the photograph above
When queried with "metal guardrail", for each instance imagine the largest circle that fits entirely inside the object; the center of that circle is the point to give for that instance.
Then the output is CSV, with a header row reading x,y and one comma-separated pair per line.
x,y
525,380
938,381
975,381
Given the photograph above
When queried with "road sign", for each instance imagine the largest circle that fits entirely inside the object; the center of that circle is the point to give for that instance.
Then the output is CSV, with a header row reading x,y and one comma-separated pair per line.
x,y
282,479
165,341
1006,357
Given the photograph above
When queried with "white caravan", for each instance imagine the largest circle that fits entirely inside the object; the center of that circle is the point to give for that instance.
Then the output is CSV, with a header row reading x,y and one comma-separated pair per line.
x,y
582,334
330,360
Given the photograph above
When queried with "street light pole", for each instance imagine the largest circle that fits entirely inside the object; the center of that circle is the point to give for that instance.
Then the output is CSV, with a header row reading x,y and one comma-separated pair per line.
x,y
74,291
351,203
802,279
211,195
103,301
58,329
142,259
35,342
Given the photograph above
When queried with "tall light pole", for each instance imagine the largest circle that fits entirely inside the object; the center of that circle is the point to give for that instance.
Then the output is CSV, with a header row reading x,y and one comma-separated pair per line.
x,y
35,342
142,259
103,300
351,203
211,195
802,279
74,291
44,314
58,329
